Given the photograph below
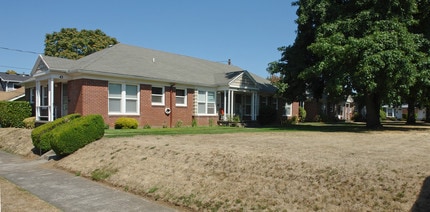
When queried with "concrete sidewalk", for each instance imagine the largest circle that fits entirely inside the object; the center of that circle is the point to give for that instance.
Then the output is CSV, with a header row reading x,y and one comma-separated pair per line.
x,y
69,192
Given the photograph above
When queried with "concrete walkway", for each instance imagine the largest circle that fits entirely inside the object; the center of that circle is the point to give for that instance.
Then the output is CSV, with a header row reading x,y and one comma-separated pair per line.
x,y
69,192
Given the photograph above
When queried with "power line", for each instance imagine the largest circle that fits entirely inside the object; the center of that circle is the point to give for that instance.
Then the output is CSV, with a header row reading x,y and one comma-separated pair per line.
x,y
19,50
14,67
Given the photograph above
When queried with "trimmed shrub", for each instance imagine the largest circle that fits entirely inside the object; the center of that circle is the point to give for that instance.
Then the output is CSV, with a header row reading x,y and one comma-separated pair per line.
x,y
302,114
69,137
126,123
13,113
29,122
382,115
38,132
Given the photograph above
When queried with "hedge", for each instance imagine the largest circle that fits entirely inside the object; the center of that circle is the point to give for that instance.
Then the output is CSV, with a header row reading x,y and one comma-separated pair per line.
x,y
77,133
126,123
38,132
12,114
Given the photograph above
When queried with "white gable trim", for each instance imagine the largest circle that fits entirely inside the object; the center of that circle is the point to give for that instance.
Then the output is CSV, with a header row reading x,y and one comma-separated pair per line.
x,y
236,82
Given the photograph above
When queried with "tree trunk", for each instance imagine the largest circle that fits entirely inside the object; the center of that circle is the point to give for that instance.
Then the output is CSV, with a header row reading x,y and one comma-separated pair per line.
x,y
428,113
411,112
373,105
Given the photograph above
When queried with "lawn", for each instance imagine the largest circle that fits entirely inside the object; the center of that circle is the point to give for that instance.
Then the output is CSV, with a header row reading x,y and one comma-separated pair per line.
x,y
306,167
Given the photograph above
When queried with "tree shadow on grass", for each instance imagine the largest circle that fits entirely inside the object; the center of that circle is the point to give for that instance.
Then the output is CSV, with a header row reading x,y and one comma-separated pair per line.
x,y
423,201
356,127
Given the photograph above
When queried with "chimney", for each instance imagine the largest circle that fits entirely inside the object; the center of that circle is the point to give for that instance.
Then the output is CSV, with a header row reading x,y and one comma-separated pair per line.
x,y
229,62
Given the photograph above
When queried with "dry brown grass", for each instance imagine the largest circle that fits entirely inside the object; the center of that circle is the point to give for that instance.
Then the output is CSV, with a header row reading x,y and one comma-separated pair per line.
x,y
375,171
282,171
14,198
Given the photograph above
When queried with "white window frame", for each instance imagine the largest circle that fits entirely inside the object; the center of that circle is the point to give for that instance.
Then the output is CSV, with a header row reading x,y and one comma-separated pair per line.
x,y
123,100
392,115
206,102
275,102
183,97
247,105
288,108
44,94
162,96
31,95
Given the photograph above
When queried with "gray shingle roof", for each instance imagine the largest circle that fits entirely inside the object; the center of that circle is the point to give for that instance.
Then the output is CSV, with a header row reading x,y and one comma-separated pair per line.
x,y
153,64
150,64
13,77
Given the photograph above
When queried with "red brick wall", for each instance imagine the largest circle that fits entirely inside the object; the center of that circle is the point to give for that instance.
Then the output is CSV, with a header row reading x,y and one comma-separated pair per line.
x,y
57,99
154,115
75,96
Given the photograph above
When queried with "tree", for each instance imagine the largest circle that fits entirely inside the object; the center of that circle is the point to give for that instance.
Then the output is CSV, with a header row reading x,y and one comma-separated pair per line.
x,y
73,44
11,72
364,47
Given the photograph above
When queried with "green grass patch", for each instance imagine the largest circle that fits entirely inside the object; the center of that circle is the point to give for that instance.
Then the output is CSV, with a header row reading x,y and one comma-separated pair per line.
x,y
183,131
308,126
102,174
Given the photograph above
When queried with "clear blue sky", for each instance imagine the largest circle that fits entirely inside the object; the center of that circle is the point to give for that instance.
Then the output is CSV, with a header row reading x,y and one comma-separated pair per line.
x,y
247,32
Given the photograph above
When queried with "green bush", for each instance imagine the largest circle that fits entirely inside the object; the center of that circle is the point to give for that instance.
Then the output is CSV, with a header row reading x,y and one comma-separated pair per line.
x,y
194,123
302,114
13,113
29,122
38,132
382,115
179,124
69,137
126,123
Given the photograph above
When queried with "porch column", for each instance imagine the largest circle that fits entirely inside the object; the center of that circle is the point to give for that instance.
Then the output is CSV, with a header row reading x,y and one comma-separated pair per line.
x,y
37,101
232,104
253,106
51,99
224,118
257,105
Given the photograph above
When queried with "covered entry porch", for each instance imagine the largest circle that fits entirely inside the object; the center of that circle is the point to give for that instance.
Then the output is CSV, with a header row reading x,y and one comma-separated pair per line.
x,y
236,105
50,98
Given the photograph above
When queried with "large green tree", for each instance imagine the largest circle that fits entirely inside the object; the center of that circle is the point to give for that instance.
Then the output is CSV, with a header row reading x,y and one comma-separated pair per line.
x,y
361,46
73,44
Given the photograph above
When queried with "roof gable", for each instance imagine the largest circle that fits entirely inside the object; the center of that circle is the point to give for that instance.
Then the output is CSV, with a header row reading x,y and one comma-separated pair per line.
x,y
244,80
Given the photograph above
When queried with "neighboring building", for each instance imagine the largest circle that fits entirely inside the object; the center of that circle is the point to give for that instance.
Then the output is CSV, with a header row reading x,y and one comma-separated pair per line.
x,y
154,87
339,111
401,112
10,88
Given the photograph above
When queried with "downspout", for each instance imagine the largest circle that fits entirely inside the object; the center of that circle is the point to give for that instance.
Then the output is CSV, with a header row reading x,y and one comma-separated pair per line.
x,y
171,104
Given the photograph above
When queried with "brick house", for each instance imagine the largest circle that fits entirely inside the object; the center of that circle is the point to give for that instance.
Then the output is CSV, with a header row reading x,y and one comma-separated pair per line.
x,y
154,87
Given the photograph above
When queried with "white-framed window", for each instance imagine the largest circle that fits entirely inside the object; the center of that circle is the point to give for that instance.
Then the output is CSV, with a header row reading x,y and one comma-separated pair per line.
x,y
248,102
288,109
157,95
275,103
390,112
10,86
31,95
263,100
206,102
44,98
181,97
123,99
